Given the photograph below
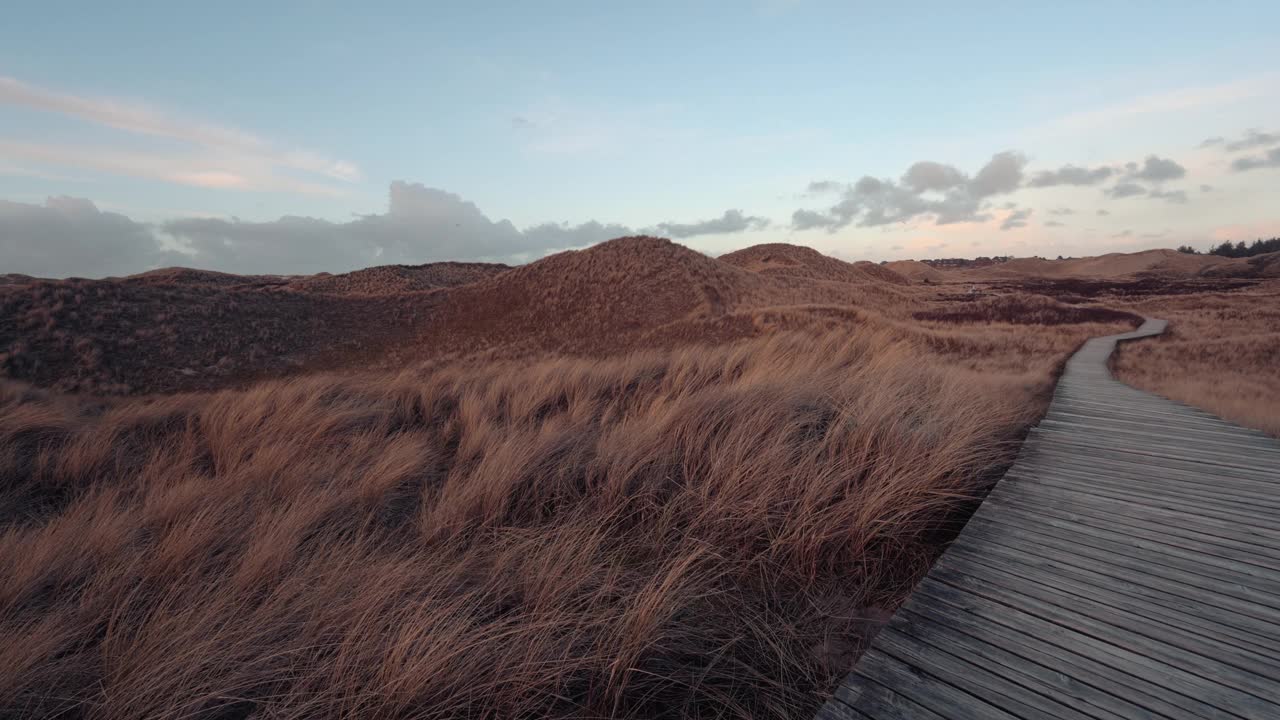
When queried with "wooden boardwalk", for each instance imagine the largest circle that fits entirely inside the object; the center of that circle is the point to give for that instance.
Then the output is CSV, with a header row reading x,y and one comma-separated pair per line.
x,y
1127,566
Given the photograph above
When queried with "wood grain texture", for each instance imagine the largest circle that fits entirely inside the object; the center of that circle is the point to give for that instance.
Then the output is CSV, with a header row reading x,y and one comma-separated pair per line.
x,y
1128,565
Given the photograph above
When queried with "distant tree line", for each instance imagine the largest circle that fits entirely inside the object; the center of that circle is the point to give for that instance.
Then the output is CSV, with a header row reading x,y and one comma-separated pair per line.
x,y
1238,250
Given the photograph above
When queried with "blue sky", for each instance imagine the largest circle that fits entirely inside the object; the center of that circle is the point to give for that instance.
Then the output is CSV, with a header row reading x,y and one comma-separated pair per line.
x,y
199,126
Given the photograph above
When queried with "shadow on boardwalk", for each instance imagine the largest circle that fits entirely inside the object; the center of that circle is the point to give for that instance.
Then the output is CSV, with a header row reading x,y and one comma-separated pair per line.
x,y
1128,565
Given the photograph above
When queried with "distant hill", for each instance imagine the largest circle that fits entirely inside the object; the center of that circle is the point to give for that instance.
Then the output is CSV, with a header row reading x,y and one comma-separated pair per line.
x,y
188,329
1112,265
584,301
799,261
1258,266
916,271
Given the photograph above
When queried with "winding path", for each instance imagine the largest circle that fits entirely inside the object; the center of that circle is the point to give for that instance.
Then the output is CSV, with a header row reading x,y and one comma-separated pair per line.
x,y
1127,566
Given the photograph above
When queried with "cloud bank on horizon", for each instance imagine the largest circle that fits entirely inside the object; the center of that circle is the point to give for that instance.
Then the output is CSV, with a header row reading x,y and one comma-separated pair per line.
x,y
71,236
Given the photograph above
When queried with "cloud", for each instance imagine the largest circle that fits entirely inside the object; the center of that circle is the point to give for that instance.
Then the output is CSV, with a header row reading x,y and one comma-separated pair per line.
x,y
1124,190
927,189
1252,138
1178,197
1070,175
71,237
181,168
1003,174
421,224
1104,212
818,187
929,175
733,221
1016,219
1062,211
1257,162
810,219
1206,188
222,157
1054,223
1156,169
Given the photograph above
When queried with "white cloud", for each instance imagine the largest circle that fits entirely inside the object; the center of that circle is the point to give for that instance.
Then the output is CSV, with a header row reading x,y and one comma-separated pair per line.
x,y
732,221
1257,162
1016,219
1156,169
927,189
71,236
1252,138
1070,175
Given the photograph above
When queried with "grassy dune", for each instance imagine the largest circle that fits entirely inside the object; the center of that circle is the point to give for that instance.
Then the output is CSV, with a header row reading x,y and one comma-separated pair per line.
x,y
690,533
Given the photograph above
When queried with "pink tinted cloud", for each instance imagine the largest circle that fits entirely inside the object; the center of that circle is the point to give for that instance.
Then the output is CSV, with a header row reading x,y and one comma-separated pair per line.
x,y
197,170
139,119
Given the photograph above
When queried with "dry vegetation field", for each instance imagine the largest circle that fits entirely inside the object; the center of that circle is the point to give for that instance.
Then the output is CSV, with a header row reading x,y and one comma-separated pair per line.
x,y
631,481
1222,354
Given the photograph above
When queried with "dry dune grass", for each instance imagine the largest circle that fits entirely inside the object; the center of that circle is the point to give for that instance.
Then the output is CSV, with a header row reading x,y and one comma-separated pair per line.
x,y
690,533
782,259
393,279
1221,353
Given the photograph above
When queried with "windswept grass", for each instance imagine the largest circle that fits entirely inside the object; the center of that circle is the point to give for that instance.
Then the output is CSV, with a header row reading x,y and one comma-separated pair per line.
x,y
692,533
1220,353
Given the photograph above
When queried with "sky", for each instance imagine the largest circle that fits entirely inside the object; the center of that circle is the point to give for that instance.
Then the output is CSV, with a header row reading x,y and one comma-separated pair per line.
x,y
306,137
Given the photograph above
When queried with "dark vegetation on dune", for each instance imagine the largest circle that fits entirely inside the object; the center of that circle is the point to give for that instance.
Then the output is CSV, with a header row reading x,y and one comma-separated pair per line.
x,y
1021,309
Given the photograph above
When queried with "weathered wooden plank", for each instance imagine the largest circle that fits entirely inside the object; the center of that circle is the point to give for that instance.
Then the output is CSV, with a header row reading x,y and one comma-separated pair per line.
x,y
1176,419
1128,478
974,678
1113,592
1018,669
1242,465
1071,410
1184,533
1175,479
1008,631
1252,602
877,701
1196,527
1085,482
1137,492
1223,441
1145,545
1157,590
1187,461
836,710
1234,690
1105,650
1199,649
920,687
